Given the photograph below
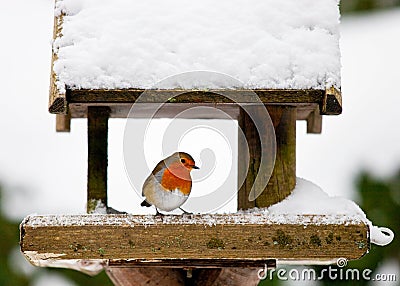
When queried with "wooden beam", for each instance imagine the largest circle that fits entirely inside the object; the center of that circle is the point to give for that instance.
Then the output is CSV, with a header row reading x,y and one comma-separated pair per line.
x,y
63,122
170,110
97,157
122,99
332,102
314,122
277,96
148,239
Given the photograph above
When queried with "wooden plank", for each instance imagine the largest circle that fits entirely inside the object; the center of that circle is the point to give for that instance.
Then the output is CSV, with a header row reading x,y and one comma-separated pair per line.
x,y
123,99
97,157
170,110
57,101
241,236
192,96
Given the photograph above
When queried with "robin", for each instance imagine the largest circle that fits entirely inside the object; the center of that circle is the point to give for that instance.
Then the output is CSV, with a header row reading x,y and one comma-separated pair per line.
x,y
169,185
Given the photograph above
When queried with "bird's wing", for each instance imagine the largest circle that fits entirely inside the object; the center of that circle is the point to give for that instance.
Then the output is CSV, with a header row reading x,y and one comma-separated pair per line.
x,y
146,183
156,174
160,166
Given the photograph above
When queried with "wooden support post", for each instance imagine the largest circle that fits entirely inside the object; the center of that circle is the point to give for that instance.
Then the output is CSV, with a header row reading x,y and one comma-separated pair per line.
x,y
314,122
283,179
63,122
97,156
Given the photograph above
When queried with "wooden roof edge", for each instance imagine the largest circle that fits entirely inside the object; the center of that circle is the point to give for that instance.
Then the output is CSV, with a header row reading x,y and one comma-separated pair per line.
x,y
330,100
57,101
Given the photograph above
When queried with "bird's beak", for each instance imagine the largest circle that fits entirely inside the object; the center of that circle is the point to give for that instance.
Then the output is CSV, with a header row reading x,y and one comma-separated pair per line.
x,y
195,167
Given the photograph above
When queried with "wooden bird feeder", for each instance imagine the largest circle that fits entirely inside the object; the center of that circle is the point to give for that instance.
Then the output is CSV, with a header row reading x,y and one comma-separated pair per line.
x,y
216,245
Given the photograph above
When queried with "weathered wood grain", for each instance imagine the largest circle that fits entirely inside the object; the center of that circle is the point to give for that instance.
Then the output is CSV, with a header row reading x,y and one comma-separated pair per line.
x,y
57,101
123,99
332,102
314,122
214,237
97,156
192,96
283,178
63,122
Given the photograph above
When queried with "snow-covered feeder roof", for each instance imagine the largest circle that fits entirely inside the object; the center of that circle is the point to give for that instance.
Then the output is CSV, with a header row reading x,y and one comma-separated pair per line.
x,y
261,44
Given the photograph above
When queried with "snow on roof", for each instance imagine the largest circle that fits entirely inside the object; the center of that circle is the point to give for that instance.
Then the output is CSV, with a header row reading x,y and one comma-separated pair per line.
x,y
104,44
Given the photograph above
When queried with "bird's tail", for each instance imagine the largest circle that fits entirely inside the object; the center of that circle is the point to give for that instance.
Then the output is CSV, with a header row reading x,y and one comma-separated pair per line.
x,y
145,204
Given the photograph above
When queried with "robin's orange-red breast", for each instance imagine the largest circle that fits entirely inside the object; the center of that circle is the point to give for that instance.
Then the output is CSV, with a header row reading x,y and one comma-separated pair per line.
x,y
169,185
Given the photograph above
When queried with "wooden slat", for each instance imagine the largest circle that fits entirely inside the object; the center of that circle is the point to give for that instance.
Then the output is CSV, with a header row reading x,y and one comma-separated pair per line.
x,y
122,100
212,237
170,110
192,96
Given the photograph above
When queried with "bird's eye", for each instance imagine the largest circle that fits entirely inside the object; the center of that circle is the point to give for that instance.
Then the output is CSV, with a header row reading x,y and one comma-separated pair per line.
x,y
183,161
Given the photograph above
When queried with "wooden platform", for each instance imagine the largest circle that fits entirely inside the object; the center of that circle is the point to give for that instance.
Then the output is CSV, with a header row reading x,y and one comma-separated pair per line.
x,y
241,239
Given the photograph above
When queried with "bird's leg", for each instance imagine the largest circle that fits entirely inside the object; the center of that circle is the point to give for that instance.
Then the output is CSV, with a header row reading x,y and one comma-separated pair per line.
x,y
185,212
110,210
158,213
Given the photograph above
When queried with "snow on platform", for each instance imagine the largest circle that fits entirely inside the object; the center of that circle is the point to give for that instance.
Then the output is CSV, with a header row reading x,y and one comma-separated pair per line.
x,y
264,44
307,205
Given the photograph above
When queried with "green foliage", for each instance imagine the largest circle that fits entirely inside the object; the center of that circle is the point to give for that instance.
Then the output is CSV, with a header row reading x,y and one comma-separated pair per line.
x,y
380,200
352,6
9,241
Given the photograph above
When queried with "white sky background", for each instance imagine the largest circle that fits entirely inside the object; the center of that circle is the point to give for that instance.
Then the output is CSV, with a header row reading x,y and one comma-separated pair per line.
x,y
45,172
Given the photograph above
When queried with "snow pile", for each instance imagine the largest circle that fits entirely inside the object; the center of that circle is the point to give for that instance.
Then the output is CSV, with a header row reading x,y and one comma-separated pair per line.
x,y
105,44
309,199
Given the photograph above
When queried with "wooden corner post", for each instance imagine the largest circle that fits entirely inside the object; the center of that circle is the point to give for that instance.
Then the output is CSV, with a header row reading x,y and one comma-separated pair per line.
x,y
283,178
97,156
